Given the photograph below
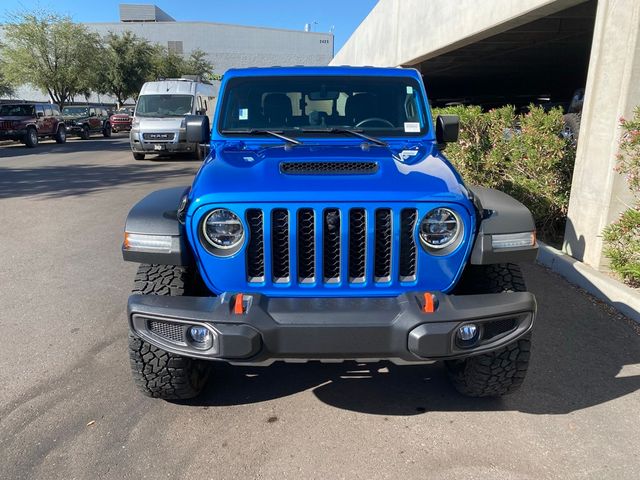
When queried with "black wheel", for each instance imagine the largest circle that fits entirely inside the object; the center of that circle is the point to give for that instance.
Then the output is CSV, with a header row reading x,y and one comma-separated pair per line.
x,y
61,134
502,371
31,138
157,373
106,131
571,129
138,156
199,153
84,133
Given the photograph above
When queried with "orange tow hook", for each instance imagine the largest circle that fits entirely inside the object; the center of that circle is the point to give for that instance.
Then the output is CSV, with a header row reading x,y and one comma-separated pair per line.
x,y
429,303
238,307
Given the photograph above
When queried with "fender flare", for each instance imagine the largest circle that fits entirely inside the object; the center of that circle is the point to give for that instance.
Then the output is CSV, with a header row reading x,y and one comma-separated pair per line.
x,y
500,213
157,214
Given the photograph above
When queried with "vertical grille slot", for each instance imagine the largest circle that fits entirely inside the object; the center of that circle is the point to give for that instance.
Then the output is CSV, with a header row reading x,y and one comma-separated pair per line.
x,y
280,245
408,253
357,245
306,246
255,250
331,245
383,233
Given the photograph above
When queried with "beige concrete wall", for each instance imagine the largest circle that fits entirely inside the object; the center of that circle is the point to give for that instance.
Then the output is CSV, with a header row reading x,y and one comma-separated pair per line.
x,y
598,194
405,32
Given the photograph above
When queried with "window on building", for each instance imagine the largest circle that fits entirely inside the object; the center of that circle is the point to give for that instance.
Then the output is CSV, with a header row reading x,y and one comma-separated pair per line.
x,y
175,46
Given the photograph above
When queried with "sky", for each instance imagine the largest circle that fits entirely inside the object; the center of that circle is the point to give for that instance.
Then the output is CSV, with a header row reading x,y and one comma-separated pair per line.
x,y
343,16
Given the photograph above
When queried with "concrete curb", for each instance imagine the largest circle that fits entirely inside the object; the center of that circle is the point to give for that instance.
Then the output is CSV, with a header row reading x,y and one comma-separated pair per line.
x,y
598,284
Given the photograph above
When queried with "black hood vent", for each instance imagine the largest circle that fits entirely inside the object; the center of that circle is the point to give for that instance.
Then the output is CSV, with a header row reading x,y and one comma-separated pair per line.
x,y
328,168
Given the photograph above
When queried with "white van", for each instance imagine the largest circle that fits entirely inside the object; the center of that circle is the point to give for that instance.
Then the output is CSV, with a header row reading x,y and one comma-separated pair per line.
x,y
158,124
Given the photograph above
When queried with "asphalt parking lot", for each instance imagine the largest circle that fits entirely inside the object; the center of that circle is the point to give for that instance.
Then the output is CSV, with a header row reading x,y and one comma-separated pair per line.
x,y
68,409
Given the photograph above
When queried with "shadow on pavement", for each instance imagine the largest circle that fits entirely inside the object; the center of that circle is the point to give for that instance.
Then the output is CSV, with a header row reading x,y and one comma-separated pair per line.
x,y
56,181
578,354
73,145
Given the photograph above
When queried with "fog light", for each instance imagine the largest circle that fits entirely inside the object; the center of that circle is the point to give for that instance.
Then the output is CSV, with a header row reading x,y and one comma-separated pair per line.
x,y
200,337
467,335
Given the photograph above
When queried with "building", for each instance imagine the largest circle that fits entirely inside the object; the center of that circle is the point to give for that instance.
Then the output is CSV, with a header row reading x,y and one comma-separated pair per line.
x,y
506,48
226,45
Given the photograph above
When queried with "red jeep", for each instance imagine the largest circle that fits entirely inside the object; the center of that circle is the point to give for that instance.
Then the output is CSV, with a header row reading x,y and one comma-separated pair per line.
x,y
28,122
121,120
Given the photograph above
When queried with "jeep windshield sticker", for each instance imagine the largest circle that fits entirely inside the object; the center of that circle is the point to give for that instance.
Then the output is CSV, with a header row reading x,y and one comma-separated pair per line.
x,y
412,127
243,114
409,90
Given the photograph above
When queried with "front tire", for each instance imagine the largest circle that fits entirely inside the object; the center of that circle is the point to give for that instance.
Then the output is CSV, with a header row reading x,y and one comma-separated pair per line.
x,y
84,133
502,371
156,372
31,139
138,156
61,134
106,132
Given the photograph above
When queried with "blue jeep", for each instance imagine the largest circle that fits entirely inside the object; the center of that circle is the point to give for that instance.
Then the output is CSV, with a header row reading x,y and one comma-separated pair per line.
x,y
326,224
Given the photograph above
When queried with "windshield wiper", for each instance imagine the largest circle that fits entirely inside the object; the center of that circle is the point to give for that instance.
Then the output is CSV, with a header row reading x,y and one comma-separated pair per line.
x,y
355,133
258,131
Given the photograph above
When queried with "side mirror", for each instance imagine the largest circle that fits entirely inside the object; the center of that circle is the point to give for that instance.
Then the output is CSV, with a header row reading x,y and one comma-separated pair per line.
x,y
447,128
198,129
40,114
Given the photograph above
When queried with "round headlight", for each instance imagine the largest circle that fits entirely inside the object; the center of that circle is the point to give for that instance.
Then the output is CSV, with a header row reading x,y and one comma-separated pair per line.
x,y
223,229
440,228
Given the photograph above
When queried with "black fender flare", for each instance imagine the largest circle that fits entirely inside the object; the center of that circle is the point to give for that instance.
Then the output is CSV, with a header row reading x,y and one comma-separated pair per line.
x,y
500,213
157,214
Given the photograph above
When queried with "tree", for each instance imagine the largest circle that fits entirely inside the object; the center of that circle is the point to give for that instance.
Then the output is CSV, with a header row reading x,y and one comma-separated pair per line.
x,y
197,64
167,64
127,61
6,89
51,53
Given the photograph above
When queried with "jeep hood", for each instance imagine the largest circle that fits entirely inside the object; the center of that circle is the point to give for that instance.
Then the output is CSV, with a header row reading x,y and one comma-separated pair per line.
x,y
234,173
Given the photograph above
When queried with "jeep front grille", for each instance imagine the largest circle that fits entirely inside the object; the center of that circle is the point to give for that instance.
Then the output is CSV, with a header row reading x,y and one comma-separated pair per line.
x,y
332,246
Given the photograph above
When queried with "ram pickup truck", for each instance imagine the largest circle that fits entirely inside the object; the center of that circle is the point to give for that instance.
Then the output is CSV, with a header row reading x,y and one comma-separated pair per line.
x,y
326,224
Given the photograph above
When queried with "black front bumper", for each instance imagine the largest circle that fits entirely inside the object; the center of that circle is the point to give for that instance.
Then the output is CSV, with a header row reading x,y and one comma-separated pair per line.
x,y
271,329
12,135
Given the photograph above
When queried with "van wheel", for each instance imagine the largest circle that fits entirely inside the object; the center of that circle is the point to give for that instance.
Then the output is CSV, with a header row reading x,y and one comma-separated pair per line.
x,y
31,139
84,133
61,134
138,156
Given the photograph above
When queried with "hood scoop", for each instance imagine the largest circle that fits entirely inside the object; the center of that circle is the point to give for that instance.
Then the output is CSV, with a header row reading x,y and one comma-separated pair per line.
x,y
328,168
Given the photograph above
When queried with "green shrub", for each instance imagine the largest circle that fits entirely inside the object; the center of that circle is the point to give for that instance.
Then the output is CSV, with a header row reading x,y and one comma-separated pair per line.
x,y
522,155
622,246
622,238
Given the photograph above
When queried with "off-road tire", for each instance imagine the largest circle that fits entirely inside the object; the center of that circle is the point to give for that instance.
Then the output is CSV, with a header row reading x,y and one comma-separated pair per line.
x,y
492,374
106,131
502,371
31,138
157,373
61,134
571,129
138,156
84,133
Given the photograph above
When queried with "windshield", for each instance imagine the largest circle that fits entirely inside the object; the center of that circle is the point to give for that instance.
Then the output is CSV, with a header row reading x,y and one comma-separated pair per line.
x,y
312,105
16,110
75,111
164,105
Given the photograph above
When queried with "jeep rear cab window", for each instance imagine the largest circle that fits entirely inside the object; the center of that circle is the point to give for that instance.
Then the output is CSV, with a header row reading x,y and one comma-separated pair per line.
x,y
16,110
318,105
159,106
